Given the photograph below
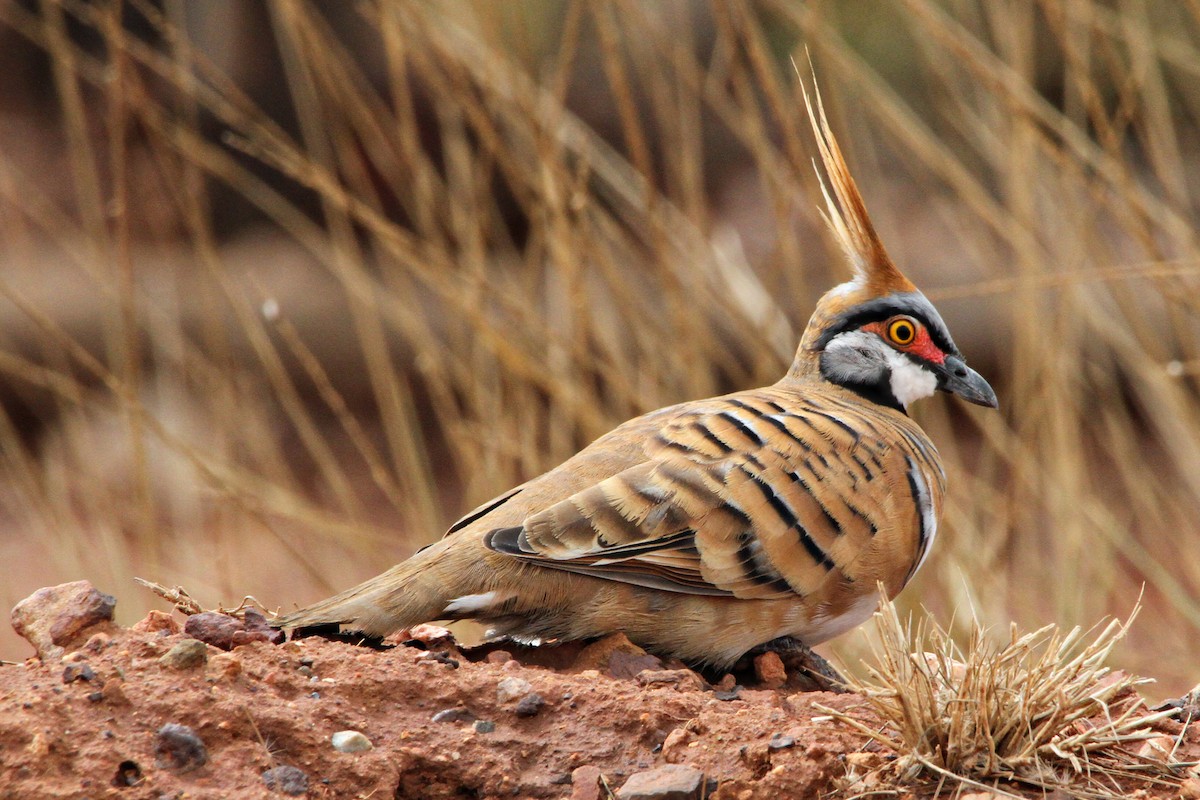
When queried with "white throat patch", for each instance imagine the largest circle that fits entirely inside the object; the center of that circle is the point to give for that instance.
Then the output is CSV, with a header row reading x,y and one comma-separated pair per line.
x,y
910,381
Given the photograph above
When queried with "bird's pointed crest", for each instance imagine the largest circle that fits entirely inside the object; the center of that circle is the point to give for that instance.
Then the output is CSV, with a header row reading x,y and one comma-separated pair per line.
x,y
847,213
875,275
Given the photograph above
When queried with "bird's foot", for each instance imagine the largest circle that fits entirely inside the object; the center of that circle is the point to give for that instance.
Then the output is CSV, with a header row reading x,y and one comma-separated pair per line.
x,y
806,670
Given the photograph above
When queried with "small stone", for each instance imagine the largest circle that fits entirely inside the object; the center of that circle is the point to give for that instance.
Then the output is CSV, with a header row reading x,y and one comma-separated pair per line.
x,y
431,635
585,783
178,748
39,746
615,656
212,628
188,654
457,714
769,670
726,683
675,746
672,782
509,689
114,693
56,618
499,657
484,726
226,632
97,642
439,657
350,742
781,742
158,622
255,628
530,705
223,667
756,757
77,672
1158,749
732,694
681,679
128,774
287,779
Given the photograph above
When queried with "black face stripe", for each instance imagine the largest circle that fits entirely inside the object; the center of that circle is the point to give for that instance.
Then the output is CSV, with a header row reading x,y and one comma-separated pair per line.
x,y
913,304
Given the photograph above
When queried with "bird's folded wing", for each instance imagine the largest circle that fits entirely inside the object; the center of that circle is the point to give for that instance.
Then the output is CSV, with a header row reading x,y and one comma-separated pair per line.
x,y
739,498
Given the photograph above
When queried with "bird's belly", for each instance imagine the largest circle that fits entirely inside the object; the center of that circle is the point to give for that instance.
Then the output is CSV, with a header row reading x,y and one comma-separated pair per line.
x,y
822,625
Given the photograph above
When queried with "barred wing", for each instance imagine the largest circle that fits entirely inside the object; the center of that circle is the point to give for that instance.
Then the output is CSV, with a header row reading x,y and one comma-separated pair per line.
x,y
760,495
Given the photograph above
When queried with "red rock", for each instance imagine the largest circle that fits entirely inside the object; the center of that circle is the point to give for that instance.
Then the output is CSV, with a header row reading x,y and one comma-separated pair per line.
x,y
57,618
615,656
769,669
672,782
675,746
684,680
157,621
225,632
585,783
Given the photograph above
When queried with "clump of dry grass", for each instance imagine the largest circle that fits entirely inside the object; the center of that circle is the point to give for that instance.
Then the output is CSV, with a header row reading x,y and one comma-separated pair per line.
x,y
1041,708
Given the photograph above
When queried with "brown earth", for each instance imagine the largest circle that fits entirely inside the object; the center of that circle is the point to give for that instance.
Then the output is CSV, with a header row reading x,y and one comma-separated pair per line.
x,y
442,722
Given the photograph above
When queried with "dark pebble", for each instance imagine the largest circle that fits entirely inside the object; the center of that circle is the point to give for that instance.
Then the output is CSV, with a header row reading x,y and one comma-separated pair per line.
x,y
128,774
781,742
530,705
458,714
732,694
96,697
77,672
485,726
286,779
441,657
226,632
178,748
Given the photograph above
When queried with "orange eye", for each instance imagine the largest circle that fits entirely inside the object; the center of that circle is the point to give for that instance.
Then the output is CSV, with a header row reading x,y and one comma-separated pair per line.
x,y
902,331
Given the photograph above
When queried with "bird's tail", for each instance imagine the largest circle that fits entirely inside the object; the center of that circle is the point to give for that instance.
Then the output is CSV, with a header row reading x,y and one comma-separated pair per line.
x,y
406,595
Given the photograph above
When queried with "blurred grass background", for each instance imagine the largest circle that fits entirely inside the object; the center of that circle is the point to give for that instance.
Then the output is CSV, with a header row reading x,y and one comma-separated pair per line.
x,y
286,287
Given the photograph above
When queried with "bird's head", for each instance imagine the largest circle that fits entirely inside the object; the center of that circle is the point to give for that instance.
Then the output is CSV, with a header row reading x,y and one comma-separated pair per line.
x,y
877,334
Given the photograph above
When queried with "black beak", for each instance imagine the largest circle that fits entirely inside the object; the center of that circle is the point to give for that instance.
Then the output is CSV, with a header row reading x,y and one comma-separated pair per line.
x,y
957,378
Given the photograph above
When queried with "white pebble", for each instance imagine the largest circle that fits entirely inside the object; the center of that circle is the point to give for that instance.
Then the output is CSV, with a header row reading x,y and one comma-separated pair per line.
x,y
350,742
512,689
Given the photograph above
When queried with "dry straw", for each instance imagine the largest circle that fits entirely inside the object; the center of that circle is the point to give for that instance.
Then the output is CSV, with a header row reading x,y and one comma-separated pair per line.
x,y
1042,709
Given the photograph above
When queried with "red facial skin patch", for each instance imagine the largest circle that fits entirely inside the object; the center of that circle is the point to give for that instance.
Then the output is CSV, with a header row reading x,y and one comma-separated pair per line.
x,y
922,345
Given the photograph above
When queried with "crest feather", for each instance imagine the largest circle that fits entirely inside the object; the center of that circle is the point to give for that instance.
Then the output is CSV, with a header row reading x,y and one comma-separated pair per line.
x,y
847,217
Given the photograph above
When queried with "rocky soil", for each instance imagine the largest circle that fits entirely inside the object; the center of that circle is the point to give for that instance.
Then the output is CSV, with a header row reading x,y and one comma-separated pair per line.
x,y
221,708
